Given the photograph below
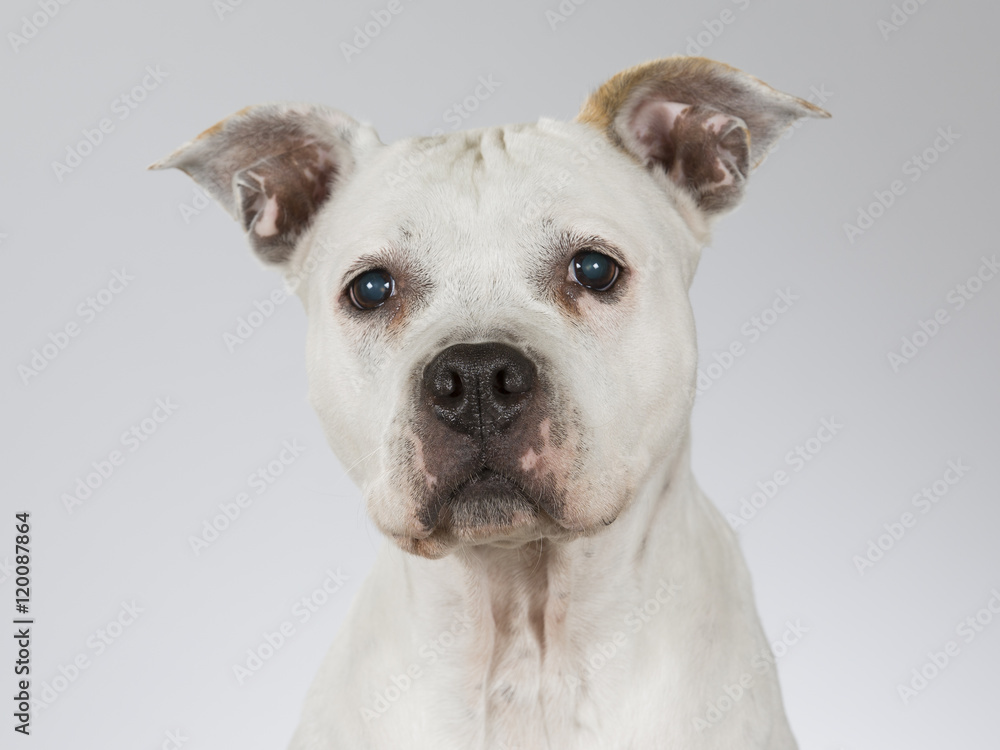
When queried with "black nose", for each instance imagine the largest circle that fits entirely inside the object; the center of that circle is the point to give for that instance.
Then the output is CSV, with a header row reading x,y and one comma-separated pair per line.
x,y
479,389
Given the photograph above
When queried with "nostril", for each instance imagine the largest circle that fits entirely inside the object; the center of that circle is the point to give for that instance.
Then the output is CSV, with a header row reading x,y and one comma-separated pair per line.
x,y
446,384
512,380
500,381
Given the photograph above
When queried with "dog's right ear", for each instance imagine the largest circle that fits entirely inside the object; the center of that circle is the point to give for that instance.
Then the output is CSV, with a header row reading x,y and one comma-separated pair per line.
x,y
272,167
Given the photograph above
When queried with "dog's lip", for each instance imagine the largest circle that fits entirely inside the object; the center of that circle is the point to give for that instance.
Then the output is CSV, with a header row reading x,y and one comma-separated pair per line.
x,y
485,477
484,474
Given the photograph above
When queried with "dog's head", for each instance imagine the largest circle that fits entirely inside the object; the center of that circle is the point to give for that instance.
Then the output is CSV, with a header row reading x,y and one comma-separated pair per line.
x,y
501,346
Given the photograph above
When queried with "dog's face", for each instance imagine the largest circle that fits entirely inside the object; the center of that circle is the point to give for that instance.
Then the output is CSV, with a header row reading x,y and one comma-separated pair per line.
x,y
501,346
501,340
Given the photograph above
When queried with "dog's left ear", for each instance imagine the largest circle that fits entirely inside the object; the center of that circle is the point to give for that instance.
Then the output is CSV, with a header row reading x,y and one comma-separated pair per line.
x,y
705,123
272,167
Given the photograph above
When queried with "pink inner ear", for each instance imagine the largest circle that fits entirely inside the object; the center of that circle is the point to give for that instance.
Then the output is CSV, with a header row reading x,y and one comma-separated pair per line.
x,y
267,222
279,195
702,149
652,124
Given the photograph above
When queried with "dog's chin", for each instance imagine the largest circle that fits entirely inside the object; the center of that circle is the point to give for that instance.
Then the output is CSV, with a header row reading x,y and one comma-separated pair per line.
x,y
487,508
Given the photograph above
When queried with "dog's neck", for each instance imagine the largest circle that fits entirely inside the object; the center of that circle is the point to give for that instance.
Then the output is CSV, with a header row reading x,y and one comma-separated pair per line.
x,y
532,587
570,639
539,613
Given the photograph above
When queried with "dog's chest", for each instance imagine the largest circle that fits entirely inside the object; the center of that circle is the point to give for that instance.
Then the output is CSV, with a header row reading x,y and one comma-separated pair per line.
x,y
532,681
519,699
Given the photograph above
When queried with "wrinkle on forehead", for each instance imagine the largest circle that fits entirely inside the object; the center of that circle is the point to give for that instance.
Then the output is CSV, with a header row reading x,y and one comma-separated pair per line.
x,y
465,162
467,157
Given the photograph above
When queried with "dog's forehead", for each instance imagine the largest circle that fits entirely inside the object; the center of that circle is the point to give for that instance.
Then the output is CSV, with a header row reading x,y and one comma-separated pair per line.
x,y
515,187
516,160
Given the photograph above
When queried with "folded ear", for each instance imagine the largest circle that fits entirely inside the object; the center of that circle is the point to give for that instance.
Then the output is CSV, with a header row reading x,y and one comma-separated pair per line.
x,y
706,124
272,167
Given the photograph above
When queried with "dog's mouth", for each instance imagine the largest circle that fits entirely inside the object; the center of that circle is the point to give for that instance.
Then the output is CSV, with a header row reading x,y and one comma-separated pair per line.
x,y
485,504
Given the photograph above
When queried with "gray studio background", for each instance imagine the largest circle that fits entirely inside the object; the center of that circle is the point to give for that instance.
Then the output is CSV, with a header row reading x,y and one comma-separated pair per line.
x,y
891,86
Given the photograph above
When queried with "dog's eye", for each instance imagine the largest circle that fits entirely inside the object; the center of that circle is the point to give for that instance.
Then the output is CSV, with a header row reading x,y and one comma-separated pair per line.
x,y
594,270
371,289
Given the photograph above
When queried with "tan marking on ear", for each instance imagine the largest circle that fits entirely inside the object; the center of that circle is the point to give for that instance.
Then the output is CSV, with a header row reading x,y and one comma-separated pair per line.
x,y
206,133
213,129
691,80
602,106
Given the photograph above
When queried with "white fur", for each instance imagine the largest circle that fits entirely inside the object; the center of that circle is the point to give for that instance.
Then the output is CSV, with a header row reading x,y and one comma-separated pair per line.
x,y
523,618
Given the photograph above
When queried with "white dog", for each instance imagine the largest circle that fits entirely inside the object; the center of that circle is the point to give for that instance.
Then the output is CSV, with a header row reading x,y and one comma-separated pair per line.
x,y
502,353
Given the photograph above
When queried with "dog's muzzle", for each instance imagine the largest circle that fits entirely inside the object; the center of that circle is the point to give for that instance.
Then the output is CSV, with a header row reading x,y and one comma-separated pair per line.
x,y
486,444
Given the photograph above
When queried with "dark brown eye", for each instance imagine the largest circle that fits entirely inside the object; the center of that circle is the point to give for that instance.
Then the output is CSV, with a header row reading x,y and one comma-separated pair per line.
x,y
594,270
371,289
